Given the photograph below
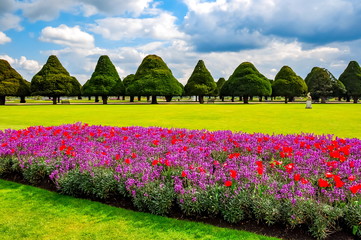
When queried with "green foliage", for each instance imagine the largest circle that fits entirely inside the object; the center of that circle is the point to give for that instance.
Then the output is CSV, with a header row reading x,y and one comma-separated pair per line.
x,y
246,81
128,81
100,183
288,84
201,82
118,88
322,84
351,78
154,78
353,217
54,80
220,84
11,82
155,197
103,80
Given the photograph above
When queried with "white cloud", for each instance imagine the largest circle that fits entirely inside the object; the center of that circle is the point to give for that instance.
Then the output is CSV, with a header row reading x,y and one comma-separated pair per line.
x,y
223,25
4,39
161,27
48,10
9,21
26,67
67,36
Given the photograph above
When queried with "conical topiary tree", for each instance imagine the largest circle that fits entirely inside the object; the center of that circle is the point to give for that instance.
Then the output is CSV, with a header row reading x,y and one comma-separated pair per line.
x,y
154,78
288,84
103,79
322,84
11,82
53,80
200,83
351,78
118,89
247,81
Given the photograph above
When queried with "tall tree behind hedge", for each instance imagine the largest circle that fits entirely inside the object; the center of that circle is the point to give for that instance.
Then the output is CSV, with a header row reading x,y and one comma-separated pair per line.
x,y
322,84
154,78
11,82
103,79
220,84
200,83
288,84
53,80
351,78
127,81
247,81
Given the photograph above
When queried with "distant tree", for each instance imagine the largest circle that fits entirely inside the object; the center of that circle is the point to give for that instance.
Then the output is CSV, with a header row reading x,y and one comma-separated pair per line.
x,y
288,84
154,78
322,84
351,78
247,81
11,82
200,83
127,81
226,90
118,89
103,79
24,90
53,80
220,84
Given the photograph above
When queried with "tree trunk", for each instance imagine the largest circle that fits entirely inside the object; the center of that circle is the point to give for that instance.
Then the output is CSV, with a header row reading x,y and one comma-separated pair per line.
x,y
154,100
139,98
22,99
196,98
118,98
222,98
80,97
250,98
260,98
266,98
245,99
201,99
168,98
240,98
348,99
232,99
148,98
96,98
59,99
286,99
123,98
339,99
131,99
2,100
105,99
89,98
355,99
323,99
54,100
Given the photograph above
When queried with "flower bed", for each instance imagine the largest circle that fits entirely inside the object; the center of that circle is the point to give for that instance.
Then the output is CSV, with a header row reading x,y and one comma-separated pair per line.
x,y
293,179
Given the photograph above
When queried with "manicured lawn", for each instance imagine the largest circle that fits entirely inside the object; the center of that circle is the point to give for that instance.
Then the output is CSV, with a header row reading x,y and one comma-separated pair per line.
x,y
339,119
31,213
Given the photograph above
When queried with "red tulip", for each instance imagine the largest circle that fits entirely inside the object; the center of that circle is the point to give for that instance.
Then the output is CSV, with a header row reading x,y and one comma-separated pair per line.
x,y
323,183
228,183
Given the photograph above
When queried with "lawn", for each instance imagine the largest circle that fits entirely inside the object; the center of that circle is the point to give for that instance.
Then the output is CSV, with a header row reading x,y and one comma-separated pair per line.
x,y
342,120
31,213
46,215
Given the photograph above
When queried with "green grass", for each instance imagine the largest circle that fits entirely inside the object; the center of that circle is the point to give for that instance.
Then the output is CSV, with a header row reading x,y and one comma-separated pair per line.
x,y
31,213
339,119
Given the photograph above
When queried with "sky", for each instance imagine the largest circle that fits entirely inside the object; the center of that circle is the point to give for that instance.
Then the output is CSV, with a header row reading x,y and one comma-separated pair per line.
x,y
301,34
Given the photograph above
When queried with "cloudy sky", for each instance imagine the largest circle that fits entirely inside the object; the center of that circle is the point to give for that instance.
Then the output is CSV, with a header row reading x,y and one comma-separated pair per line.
x,y
224,33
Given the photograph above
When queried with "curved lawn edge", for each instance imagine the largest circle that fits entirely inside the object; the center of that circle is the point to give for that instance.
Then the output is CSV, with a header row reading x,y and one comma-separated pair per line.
x,y
31,213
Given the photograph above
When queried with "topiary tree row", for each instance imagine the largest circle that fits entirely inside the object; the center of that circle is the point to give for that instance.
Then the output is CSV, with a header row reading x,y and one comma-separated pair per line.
x,y
153,78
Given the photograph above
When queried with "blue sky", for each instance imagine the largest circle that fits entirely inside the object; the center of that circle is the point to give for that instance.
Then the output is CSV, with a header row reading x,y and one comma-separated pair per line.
x,y
224,33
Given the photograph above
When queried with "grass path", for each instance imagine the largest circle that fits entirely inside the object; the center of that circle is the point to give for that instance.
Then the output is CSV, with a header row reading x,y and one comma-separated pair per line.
x,y
31,213
342,120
